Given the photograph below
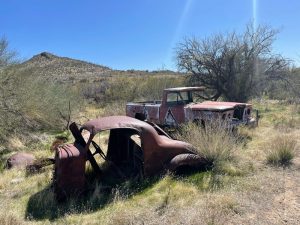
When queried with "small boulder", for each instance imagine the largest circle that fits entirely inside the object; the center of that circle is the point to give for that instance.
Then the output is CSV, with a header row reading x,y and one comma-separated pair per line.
x,y
20,160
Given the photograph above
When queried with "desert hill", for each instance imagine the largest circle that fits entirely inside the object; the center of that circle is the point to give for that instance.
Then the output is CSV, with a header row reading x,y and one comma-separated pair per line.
x,y
68,70
62,69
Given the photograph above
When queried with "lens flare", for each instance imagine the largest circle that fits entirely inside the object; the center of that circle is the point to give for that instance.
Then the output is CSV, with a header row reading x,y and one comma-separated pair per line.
x,y
254,13
179,28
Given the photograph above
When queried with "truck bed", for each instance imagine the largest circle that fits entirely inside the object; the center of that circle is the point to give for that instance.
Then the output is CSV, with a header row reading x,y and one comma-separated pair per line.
x,y
148,110
154,102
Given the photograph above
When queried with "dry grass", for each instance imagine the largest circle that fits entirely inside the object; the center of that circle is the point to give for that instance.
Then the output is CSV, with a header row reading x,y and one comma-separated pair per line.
x,y
281,150
114,109
215,143
10,219
245,191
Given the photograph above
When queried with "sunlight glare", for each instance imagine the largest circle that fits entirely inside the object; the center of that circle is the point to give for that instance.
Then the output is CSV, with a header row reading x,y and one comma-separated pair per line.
x,y
254,13
179,27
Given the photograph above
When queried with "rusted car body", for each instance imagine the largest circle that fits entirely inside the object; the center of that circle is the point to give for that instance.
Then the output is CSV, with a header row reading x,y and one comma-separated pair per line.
x,y
134,147
182,105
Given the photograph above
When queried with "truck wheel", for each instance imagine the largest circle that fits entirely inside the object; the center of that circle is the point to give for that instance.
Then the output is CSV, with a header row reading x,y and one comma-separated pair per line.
x,y
140,116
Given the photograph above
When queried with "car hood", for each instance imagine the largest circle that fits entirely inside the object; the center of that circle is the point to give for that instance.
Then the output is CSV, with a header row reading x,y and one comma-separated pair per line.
x,y
215,106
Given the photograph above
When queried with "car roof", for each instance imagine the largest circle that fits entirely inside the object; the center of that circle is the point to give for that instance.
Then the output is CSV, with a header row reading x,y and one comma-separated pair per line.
x,y
113,122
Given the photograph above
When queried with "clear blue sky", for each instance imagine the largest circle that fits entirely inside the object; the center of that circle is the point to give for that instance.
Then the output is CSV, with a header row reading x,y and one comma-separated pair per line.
x,y
138,34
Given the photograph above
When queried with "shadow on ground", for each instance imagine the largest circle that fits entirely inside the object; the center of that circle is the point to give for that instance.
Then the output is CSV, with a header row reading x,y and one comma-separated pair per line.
x,y
103,191
43,204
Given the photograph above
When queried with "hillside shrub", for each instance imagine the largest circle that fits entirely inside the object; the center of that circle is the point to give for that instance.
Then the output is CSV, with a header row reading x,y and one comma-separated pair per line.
x,y
129,88
30,104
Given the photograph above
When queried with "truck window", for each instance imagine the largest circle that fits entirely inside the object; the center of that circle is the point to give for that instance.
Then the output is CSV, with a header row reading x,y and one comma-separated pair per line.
x,y
178,98
196,96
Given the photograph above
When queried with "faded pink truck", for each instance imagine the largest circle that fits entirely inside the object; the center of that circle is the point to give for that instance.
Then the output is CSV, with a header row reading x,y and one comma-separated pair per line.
x,y
183,104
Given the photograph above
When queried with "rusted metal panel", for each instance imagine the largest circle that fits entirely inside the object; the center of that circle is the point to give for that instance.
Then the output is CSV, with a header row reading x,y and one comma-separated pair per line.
x,y
69,174
113,122
152,113
210,107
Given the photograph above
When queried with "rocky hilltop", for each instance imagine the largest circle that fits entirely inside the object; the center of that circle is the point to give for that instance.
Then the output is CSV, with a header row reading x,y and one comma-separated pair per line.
x,y
68,70
63,69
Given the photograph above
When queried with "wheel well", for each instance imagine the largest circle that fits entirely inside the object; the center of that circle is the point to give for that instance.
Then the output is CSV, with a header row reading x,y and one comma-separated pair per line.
x,y
140,116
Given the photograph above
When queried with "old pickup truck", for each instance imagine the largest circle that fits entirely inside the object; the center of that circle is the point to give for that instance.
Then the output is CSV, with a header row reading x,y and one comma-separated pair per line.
x,y
183,104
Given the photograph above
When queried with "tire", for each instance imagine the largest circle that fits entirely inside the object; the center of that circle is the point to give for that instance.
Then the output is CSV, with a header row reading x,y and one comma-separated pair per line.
x,y
186,162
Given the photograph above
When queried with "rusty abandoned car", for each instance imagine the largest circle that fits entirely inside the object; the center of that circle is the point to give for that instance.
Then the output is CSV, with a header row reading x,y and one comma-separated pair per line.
x,y
184,104
134,148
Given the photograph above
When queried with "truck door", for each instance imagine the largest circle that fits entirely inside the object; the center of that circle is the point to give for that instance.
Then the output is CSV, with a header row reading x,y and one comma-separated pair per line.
x,y
172,111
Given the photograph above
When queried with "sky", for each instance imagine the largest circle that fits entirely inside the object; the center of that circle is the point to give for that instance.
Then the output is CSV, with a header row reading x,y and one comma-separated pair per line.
x,y
138,34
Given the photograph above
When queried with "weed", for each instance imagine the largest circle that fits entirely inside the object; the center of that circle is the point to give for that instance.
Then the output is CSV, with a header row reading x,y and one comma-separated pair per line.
x,y
215,143
281,150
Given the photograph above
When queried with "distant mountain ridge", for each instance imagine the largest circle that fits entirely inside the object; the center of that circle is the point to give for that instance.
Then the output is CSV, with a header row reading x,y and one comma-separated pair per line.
x,y
68,70
62,69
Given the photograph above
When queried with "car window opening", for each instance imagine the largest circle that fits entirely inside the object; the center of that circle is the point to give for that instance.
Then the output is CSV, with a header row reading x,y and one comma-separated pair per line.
x,y
123,155
239,112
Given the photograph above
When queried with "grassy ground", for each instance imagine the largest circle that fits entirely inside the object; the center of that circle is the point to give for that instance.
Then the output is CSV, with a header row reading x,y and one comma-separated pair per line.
x,y
247,191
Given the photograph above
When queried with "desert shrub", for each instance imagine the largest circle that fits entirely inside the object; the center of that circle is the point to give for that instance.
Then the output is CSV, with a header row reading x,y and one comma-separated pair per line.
x,y
281,150
114,109
31,104
215,143
129,88
152,87
121,89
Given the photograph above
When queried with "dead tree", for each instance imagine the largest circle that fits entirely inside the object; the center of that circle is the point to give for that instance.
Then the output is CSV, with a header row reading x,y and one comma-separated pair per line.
x,y
234,66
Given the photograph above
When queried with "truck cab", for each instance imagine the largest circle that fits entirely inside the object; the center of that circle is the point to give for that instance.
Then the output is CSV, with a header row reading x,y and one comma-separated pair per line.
x,y
174,102
184,104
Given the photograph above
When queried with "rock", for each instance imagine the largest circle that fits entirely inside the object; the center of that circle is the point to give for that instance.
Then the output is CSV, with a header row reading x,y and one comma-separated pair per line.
x,y
20,160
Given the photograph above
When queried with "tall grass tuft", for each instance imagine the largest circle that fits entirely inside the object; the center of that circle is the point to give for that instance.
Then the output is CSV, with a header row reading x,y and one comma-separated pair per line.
x,y
215,143
281,150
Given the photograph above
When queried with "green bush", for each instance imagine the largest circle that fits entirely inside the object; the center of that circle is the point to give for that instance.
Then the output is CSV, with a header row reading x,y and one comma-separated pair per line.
x,y
31,103
130,88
